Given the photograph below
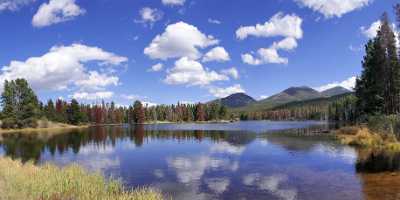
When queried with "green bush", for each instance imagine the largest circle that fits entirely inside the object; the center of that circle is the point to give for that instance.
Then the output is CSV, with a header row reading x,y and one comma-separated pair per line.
x,y
8,123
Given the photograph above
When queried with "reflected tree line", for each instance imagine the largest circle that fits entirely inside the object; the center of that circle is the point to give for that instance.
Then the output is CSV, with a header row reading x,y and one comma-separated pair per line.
x,y
32,146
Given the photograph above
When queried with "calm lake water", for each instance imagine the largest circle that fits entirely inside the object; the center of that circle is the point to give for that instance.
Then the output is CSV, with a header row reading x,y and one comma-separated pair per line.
x,y
242,160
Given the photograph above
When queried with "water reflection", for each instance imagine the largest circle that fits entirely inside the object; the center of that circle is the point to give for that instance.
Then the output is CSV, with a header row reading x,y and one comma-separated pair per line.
x,y
373,161
294,163
32,146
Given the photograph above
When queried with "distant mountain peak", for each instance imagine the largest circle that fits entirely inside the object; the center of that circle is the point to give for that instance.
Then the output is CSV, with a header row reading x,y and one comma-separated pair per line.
x,y
291,94
236,100
294,90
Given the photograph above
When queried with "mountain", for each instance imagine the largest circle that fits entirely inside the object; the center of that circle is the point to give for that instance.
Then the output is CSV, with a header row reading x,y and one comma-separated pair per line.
x,y
236,100
292,94
314,102
335,91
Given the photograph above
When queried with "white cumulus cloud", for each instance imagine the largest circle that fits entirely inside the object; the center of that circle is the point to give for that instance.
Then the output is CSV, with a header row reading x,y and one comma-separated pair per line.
x,y
56,11
149,16
232,72
334,8
224,92
179,40
96,81
288,43
64,66
157,67
13,5
372,30
132,97
92,96
218,54
278,25
349,84
191,72
265,56
287,26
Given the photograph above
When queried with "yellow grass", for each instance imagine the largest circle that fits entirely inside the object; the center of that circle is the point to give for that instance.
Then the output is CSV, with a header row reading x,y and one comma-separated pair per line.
x,y
30,182
44,126
363,137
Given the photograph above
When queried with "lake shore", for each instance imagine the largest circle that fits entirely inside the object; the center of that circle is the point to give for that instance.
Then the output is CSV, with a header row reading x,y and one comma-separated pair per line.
x,y
44,129
58,127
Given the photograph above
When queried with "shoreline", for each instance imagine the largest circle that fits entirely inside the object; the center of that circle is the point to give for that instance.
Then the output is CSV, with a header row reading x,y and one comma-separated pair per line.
x,y
61,127
29,130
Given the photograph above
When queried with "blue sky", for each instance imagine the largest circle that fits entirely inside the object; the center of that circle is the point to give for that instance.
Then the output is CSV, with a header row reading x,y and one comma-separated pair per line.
x,y
200,49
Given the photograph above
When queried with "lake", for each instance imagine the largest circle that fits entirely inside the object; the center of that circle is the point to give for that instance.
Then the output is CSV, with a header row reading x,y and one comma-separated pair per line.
x,y
241,160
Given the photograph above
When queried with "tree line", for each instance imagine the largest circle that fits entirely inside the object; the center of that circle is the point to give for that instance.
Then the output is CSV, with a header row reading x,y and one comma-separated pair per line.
x,y
21,109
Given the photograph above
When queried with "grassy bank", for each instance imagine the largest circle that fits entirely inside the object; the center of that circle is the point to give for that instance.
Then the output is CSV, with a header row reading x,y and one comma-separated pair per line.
x,y
44,127
30,182
365,138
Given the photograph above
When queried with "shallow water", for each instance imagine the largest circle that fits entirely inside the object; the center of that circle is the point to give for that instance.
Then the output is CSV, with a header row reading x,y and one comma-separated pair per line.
x,y
243,160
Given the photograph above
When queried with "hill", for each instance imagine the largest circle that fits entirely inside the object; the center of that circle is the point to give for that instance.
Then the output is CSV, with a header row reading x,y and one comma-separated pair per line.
x,y
313,102
291,94
236,100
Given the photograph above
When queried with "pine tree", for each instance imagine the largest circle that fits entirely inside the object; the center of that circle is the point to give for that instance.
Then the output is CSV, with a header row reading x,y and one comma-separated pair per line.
x,y
20,104
139,116
378,88
370,87
200,114
391,74
74,114
50,111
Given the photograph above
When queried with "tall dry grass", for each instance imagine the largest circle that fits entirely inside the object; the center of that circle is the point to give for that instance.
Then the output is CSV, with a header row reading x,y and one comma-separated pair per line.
x,y
364,137
29,182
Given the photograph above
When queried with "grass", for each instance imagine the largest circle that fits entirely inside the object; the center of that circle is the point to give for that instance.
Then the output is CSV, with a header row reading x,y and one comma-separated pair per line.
x,y
48,182
44,126
365,138
30,130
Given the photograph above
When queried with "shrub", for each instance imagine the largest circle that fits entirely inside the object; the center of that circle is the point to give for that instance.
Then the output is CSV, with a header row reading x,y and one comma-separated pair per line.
x,y
8,123
30,122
